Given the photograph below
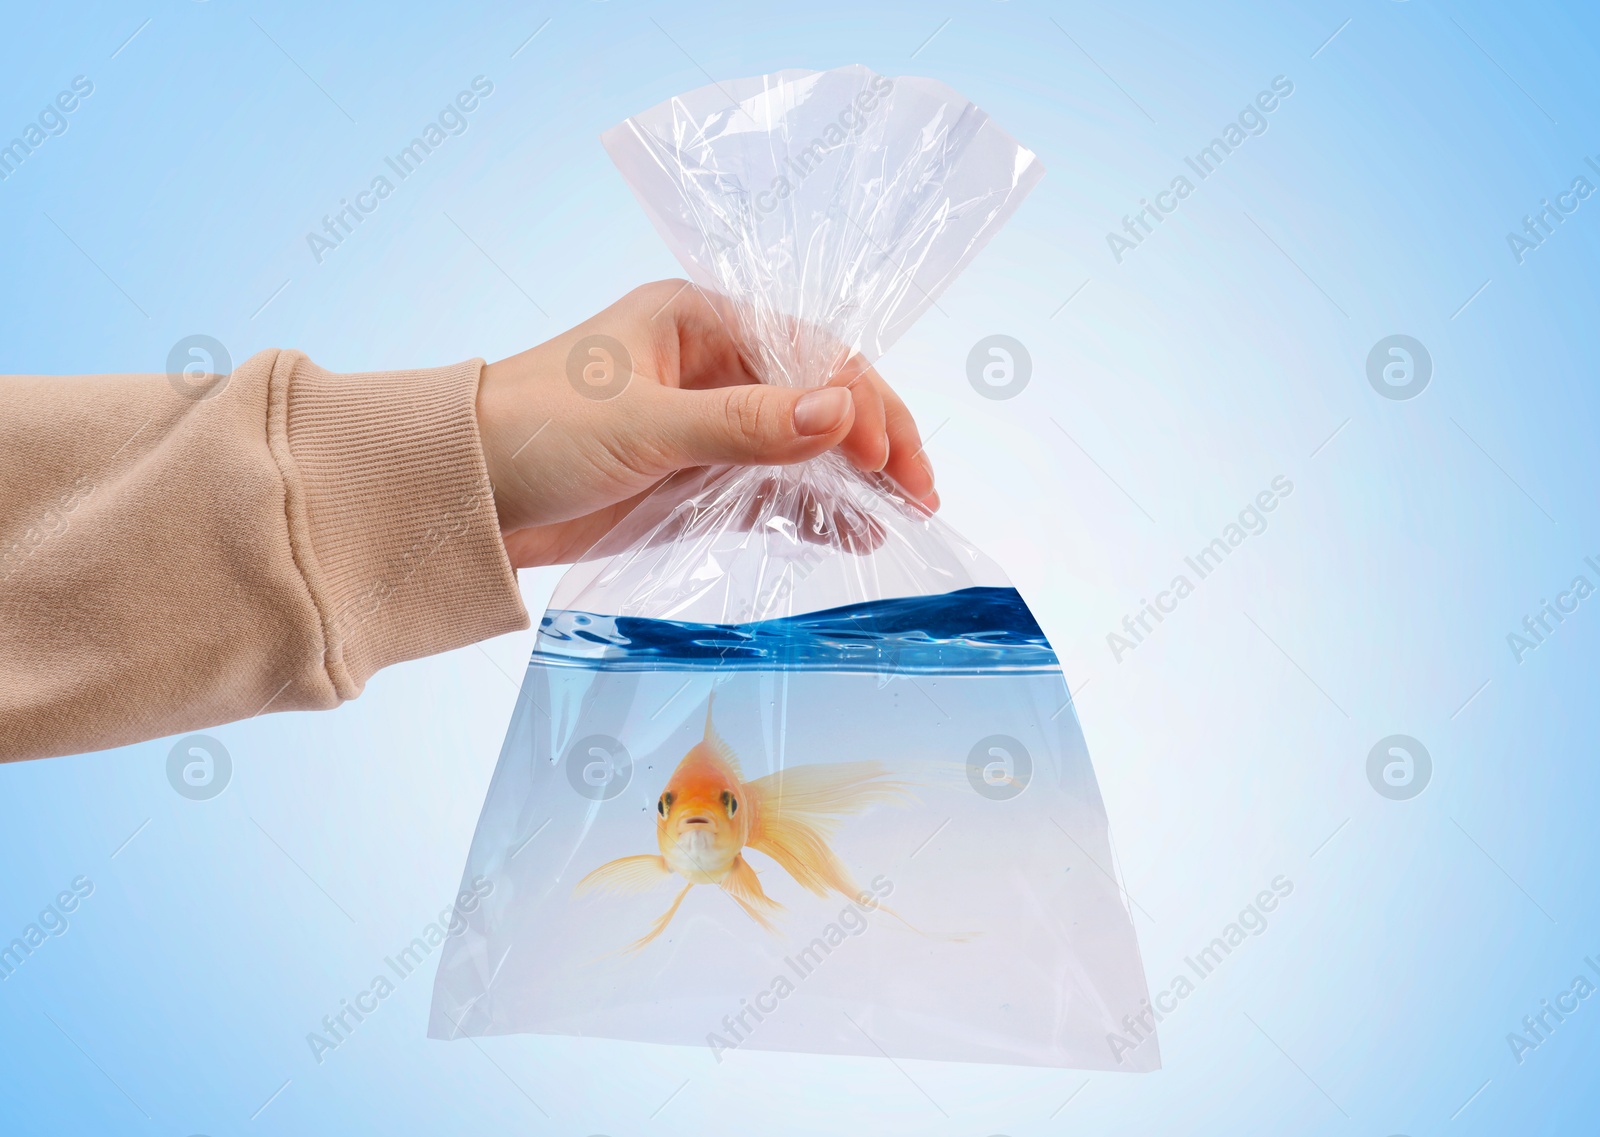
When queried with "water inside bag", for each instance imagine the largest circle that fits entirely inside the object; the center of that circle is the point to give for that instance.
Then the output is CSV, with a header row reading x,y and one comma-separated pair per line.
x,y
871,829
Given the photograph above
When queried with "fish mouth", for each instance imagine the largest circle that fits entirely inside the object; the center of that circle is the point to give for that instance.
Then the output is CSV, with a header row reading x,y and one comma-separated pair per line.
x,y
695,820
697,845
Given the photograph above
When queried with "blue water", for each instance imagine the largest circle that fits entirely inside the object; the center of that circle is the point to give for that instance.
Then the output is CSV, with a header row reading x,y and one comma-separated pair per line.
x,y
970,631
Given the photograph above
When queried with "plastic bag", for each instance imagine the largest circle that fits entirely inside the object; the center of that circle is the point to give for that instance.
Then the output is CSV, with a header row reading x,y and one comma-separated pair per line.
x,y
793,767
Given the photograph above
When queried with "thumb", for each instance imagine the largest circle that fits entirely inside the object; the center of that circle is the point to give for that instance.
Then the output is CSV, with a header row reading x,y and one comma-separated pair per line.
x,y
753,424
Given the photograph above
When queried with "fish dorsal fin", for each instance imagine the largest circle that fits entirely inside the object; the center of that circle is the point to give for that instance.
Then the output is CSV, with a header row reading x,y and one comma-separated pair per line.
x,y
715,743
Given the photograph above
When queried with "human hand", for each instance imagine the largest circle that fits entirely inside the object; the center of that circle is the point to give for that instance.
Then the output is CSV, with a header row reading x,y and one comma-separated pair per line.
x,y
566,466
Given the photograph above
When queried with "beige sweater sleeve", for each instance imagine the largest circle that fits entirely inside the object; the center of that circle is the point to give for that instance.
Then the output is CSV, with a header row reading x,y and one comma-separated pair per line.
x,y
169,562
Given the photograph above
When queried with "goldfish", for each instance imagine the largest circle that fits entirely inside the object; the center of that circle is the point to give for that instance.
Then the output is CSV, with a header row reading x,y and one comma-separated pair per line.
x,y
708,815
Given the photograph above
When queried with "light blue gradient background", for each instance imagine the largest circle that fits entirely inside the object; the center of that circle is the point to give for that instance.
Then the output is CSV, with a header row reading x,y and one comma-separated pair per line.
x,y
1379,999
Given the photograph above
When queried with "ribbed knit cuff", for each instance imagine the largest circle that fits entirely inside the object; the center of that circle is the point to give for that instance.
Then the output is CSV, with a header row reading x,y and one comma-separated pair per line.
x,y
391,515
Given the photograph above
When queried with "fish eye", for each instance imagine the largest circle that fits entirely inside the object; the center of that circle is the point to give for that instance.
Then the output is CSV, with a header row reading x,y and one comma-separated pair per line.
x,y
664,804
730,803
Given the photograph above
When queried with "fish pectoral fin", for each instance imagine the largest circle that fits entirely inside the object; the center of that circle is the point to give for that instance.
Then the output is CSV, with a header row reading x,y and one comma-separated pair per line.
x,y
742,884
625,875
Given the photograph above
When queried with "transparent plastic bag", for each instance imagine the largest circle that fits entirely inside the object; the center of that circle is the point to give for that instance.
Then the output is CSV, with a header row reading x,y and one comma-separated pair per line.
x,y
793,767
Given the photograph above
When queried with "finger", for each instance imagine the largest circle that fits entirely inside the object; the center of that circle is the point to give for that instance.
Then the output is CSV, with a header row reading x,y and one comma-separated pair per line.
x,y
867,444
749,424
908,466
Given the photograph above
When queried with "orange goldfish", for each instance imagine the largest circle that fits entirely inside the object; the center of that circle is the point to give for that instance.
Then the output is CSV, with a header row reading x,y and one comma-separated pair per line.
x,y
708,815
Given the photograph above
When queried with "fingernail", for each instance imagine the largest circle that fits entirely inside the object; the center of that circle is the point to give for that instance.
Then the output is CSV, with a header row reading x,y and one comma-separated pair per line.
x,y
927,467
821,411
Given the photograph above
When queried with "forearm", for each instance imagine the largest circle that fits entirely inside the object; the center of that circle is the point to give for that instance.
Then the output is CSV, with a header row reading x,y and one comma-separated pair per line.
x,y
168,563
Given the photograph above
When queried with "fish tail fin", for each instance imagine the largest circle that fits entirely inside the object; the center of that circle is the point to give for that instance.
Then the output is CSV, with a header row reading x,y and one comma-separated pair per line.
x,y
797,810
802,851
823,792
